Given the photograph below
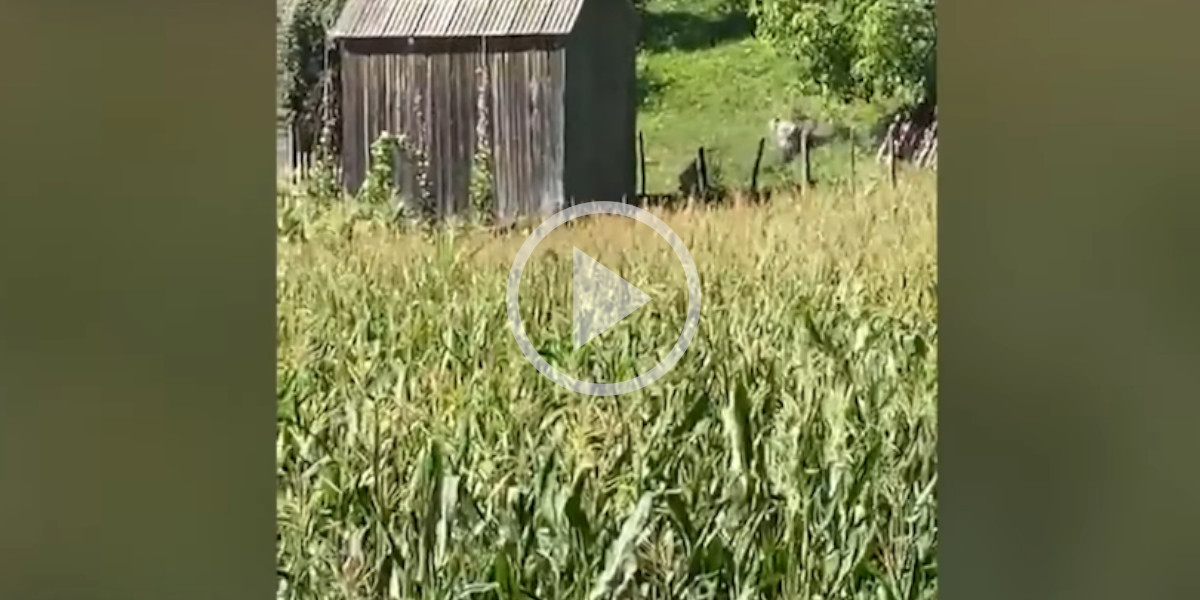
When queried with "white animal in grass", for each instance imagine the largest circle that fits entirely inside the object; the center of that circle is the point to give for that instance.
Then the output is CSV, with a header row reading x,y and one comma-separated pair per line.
x,y
787,135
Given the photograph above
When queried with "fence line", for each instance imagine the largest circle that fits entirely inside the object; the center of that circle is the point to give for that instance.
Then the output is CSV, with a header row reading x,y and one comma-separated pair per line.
x,y
291,163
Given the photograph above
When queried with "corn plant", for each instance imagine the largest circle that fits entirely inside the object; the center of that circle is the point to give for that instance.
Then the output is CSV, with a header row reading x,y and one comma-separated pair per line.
x,y
791,454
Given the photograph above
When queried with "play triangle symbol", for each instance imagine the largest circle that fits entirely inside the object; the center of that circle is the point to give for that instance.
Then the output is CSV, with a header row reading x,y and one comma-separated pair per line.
x,y
600,298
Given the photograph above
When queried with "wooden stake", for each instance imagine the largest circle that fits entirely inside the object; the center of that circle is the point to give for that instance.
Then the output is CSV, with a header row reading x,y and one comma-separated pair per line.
x,y
703,173
642,157
805,164
892,159
883,148
757,162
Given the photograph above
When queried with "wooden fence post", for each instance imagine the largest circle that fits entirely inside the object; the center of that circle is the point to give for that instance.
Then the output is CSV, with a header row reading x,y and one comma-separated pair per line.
x,y
892,159
642,156
805,164
703,173
883,148
757,162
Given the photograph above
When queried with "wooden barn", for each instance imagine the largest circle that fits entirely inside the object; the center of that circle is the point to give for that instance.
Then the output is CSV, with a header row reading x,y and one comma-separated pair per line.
x,y
550,84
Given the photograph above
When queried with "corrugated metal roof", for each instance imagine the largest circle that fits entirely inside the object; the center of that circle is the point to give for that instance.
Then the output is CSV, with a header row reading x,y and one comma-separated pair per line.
x,y
455,18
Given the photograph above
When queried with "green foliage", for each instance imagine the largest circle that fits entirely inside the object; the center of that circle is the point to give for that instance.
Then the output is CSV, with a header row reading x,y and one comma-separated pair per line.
x,y
879,51
322,179
306,62
379,187
379,192
482,187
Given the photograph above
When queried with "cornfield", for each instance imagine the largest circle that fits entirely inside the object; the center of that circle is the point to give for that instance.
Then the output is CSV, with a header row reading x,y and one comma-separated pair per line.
x,y
791,454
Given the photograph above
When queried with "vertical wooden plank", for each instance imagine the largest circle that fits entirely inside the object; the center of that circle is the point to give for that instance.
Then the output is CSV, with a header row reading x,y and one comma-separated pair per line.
x,y
512,120
550,138
557,134
469,122
449,125
518,109
501,159
470,64
424,141
364,120
351,121
404,109
434,79
474,62
512,114
403,92
444,124
525,127
449,138
544,145
434,84
359,117
498,160
542,149
500,135
396,64
457,89
464,126
470,118
388,111
539,148
532,152
348,120
381,109
346,125
362,94
372,110
401,107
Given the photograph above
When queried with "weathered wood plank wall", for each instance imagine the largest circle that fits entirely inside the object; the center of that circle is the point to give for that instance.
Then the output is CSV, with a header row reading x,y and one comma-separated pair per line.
x,y
430,95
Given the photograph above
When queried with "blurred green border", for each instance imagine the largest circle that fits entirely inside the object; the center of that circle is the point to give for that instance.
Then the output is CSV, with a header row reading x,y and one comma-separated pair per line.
x,y
137,300
1069,266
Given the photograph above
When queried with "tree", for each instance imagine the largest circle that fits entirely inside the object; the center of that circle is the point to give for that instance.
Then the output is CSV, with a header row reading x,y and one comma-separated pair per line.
x,y
308,65
881,52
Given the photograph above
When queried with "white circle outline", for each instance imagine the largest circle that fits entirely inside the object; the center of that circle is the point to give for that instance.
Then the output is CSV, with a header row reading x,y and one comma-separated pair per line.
x,y
592,388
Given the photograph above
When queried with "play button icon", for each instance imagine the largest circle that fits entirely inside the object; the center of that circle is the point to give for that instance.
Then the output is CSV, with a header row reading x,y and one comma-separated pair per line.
x,y
600,298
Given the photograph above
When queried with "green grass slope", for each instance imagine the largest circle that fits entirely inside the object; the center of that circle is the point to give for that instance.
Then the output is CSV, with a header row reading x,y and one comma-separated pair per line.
x,y
705,81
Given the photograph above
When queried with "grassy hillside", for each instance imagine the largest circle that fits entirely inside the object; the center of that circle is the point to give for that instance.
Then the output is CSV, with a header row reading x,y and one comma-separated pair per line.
x,y
706,81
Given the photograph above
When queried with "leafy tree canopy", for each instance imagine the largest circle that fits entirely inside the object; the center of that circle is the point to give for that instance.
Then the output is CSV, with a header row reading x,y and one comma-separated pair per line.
x,y
878,52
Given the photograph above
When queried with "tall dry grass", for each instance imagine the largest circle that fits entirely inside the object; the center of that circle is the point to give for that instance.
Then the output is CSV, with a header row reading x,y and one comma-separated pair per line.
x,y
790,454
